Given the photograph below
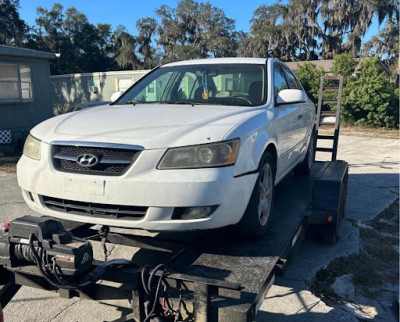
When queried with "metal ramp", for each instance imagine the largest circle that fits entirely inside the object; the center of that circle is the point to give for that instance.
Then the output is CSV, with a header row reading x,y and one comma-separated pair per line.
x,y
331,86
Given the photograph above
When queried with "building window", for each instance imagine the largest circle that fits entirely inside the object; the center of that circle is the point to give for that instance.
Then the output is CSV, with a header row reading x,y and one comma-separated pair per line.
x,y
15,82
26,82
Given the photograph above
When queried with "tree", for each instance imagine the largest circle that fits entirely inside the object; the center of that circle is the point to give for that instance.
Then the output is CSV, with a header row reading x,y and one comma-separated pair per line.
x,y
307,29
179,32
52,36
371,99
83,46
309,76
195,30
300,28
386,43
267,38
217,31
287,31
125,47
147,28
350,19
343,65
243,40
12,28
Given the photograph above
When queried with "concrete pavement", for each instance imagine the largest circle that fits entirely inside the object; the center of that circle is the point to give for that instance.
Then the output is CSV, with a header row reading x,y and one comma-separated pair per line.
x,y
373,185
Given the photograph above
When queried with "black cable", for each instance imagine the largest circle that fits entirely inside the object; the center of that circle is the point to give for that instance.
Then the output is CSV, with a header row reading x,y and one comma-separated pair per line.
x,y
143,277
185,307
55,273
152,274
50,271
155,300
46,276
38,261
178,312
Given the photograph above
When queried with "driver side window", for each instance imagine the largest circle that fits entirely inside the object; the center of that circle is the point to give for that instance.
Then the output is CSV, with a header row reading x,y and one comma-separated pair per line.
x,y
279,80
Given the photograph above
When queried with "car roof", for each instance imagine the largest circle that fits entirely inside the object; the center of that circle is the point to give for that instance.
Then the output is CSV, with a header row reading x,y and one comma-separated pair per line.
x,y
230,60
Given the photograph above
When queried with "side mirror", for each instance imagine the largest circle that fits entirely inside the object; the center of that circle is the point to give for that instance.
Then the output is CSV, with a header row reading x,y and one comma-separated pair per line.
x,y
289,96
116,95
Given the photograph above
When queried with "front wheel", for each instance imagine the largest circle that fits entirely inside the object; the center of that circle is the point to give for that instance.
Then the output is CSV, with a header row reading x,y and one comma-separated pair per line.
x,y
254,222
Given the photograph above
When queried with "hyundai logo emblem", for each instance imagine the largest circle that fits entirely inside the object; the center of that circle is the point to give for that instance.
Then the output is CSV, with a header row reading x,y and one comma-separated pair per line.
x,y
87,160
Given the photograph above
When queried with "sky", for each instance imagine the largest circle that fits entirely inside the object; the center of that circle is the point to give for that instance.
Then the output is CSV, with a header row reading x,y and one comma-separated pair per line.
x,y
120,12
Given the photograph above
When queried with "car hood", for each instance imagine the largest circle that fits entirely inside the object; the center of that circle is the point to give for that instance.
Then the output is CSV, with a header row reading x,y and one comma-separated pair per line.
x,y
150,126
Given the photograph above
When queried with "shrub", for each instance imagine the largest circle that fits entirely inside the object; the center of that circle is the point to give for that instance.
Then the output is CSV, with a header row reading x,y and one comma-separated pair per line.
x,y
371,99
310,76
343,65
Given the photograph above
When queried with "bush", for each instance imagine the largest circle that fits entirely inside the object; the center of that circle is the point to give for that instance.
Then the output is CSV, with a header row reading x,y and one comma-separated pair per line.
x,y
371,99
343,65
310,76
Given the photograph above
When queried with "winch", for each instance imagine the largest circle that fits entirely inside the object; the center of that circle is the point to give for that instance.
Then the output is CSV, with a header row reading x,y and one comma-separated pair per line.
x,y
45,242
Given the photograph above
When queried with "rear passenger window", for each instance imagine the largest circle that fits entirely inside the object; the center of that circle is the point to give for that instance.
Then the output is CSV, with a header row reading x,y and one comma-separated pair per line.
x,y
279,80
293,83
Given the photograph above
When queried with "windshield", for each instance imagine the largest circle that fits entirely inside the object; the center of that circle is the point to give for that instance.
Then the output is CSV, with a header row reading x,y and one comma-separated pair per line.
x,y
211,84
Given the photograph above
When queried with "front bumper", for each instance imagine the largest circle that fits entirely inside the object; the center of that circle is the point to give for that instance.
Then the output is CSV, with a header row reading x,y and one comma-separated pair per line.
x,y
142,185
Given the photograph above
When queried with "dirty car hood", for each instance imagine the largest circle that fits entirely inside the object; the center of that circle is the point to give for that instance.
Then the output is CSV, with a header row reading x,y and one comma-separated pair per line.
x,y
150,126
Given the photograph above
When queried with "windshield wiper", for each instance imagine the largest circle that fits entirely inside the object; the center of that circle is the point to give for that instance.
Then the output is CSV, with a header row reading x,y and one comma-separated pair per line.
x,y
178,102
183,103
139,102
164,102
130,103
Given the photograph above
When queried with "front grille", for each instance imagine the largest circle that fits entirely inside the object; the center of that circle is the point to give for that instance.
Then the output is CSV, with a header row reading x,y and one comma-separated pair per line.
x,y
111,161
95,209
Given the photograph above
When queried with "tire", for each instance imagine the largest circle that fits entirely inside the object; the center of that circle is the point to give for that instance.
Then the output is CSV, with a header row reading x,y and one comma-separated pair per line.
x,y
304,168
255,220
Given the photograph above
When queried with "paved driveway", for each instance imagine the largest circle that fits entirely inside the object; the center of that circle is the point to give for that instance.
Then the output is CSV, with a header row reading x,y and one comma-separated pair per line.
x,y
373,185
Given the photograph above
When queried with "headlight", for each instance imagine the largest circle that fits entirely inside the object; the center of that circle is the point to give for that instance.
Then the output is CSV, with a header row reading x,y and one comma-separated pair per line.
x,y
32,147
201,156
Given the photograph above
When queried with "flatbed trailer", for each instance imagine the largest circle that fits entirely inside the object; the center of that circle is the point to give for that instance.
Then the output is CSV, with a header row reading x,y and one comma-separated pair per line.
x,y
213,275
218,276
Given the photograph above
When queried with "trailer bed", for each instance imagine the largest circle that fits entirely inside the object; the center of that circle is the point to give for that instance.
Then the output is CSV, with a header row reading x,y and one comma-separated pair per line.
x,y
227,277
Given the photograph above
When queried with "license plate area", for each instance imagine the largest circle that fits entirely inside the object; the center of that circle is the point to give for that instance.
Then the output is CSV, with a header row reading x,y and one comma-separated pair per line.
x,y
84,186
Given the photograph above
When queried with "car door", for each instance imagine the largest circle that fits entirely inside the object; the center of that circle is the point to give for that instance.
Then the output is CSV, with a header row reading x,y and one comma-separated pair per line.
x,y
303,113
286,119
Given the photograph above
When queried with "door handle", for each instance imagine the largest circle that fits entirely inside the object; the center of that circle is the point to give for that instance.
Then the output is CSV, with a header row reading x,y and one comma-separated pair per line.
x,y
300,116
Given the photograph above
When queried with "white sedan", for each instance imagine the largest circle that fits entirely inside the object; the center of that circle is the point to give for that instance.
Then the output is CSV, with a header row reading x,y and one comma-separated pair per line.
x,y
193,145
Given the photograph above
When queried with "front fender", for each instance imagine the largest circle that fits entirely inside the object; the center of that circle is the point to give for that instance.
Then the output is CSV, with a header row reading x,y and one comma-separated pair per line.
x,y
254,136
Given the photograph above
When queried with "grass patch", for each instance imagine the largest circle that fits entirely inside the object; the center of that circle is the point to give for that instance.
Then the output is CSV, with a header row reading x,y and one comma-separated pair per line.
x,y
363,131
369,132
376,263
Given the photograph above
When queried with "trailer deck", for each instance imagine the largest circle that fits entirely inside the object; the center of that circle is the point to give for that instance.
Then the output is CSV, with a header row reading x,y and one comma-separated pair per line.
x,y
219,276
